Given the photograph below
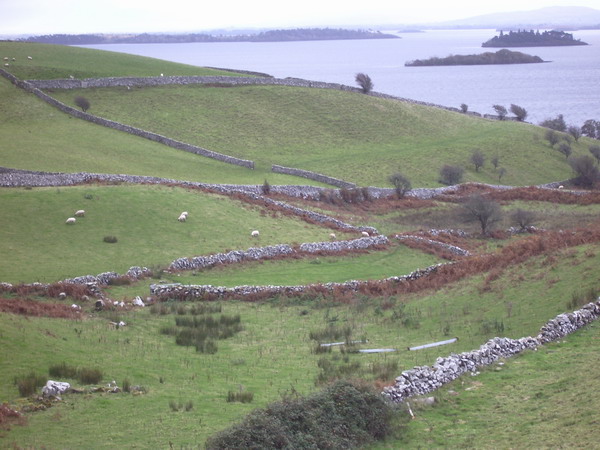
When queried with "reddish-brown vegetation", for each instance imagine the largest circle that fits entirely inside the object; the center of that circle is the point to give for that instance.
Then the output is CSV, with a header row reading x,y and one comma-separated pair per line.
x,y
10,416
28,307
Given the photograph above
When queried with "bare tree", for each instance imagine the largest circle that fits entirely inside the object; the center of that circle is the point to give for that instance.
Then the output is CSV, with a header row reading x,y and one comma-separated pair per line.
x,y
451,174
82,102
565,149
401,184
501,111
501,173
495,161
586,171
519,112
364,81
478,159
482,210
523,218
552,137
574,131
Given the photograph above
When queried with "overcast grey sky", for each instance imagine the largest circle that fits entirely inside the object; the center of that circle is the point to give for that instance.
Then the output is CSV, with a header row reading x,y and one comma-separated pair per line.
x,y
107,16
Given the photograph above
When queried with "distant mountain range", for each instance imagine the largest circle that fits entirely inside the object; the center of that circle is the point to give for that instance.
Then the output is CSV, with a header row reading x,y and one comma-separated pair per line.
x,y
557,17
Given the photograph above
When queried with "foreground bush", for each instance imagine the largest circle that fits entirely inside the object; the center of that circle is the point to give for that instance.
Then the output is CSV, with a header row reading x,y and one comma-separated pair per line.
x,y
344,415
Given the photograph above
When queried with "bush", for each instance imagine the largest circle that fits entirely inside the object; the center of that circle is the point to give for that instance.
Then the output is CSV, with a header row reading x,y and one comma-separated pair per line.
x,y
586,171
478,159
344,415
89,376
242,397
557,123
82,103
451,174
519,112
565,149
62,370
552,137
523,218
110,239
401,184
464,108
479,209
595,151
29,384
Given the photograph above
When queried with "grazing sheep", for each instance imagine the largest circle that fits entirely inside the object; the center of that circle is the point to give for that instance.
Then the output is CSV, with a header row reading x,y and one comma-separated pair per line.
x,y
332,236
80,213
71,220
182,217
365,234
255,233
561,187
29,57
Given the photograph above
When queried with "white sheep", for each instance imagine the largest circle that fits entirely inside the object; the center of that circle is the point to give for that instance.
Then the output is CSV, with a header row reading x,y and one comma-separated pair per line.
x,y
80,213
561,187
185,213
365,234
29,57
255,233
182,217
332,236
71,221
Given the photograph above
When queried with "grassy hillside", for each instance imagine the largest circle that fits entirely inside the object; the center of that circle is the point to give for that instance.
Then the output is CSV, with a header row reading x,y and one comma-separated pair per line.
x,y
346,135
59,61
274,355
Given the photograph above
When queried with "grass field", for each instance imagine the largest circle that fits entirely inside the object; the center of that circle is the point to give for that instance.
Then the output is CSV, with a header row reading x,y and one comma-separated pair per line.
x,y
144,220
544,397
344,135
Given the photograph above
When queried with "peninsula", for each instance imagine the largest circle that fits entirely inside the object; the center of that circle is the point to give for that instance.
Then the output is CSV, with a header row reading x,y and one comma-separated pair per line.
x,y
532,38
298,34
500,57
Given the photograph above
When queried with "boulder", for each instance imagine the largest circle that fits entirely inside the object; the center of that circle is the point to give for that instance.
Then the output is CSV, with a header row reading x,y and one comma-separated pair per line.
x,y
54,388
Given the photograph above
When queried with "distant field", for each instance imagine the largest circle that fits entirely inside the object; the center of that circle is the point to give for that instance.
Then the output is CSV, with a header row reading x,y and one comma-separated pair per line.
x,y
59,61
38,246
345,135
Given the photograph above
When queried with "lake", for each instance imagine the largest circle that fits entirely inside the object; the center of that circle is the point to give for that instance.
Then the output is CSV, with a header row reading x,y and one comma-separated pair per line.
x,y
568,84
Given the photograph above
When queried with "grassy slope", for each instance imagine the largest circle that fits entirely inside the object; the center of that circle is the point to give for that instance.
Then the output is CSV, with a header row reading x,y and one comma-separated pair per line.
x,y
273,355
35,136
346,135
144,219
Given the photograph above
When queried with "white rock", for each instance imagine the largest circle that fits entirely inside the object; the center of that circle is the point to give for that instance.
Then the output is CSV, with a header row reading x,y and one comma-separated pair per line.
x,y
55,388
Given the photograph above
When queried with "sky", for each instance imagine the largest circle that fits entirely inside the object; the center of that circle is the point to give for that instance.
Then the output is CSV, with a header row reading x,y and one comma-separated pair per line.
x,y
37,17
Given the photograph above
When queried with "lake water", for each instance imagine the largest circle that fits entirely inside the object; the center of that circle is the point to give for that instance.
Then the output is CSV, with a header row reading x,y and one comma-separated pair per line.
x,y
569,84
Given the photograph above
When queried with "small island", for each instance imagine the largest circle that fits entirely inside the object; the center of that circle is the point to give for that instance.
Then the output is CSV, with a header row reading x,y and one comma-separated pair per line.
x,y
522,38
500,57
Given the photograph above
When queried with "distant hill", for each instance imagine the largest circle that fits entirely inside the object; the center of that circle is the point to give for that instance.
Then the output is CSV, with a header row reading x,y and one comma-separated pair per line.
x,y
533,39
298,34
561,17
500,57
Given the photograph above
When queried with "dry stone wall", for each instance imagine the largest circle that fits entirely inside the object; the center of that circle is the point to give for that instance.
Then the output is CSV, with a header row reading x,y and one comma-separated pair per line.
x,y
424,379
312,176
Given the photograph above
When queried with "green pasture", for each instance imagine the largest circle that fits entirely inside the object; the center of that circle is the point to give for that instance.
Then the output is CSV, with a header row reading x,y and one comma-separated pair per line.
x,y
38,246
542,399
351,136
60,61
36,136
274,355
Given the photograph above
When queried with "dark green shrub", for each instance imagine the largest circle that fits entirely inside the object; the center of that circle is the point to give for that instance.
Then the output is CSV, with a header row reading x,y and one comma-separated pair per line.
x,y
28,384
62,370
110,239
344,415
89,375
450,175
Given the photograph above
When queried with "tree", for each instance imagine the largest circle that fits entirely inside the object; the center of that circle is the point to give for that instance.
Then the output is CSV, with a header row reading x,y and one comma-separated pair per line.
x,y
364,81
591,129
464,107
501,173
574,131
557,124
495,161
595,151
401,184
82,102
586,171
501,111
451,174
565,149
519,112
552,137
523,218
482,210
478,159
